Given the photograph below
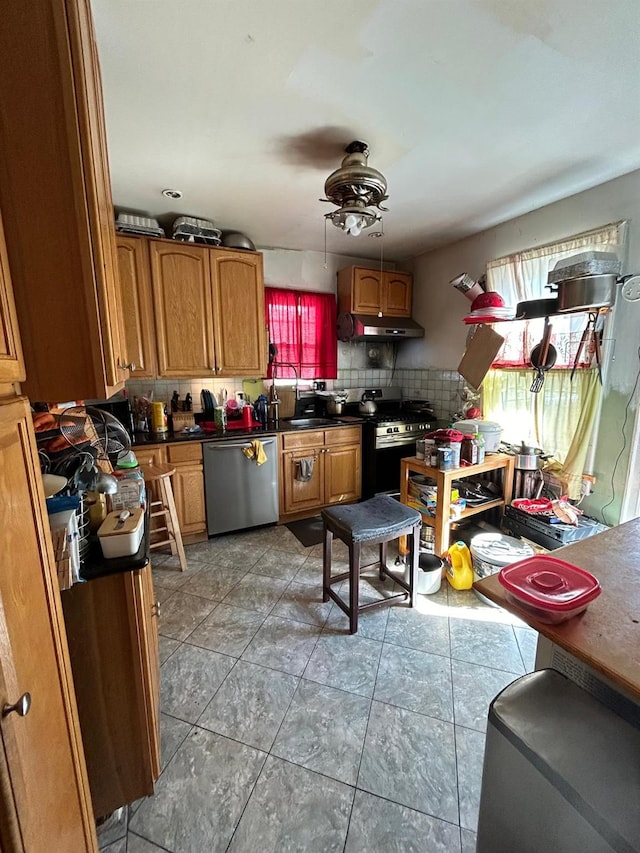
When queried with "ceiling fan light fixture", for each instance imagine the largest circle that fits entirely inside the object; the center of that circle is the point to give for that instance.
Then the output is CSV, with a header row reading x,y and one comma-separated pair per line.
x,y
353,219
356,188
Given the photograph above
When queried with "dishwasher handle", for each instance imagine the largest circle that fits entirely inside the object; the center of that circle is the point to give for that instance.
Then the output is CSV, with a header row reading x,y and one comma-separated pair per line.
x,y
223,445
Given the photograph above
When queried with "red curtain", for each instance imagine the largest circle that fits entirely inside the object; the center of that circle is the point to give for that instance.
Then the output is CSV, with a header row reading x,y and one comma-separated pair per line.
x,y
302,325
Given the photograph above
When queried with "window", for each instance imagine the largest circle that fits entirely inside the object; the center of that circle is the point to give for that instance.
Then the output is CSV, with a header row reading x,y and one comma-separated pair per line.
x,y
562,416
302,326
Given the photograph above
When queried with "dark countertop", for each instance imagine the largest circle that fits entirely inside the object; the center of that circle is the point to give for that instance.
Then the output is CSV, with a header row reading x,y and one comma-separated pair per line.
x,y
152,439
96,565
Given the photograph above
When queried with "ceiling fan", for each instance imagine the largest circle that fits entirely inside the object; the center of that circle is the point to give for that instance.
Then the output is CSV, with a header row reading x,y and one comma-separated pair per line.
x,y
357,189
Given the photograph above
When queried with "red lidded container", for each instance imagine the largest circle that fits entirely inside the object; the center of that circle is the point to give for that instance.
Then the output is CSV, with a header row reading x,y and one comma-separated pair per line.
x,y
548,588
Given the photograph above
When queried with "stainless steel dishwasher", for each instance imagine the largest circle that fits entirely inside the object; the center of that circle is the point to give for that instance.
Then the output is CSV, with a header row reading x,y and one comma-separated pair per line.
x,y
239,493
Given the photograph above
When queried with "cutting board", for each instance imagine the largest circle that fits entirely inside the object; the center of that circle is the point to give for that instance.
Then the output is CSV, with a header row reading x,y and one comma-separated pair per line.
x,y
252,388
482,349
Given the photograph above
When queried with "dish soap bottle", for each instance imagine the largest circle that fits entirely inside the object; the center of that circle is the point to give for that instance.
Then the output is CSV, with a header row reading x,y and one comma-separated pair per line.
x,y
459,566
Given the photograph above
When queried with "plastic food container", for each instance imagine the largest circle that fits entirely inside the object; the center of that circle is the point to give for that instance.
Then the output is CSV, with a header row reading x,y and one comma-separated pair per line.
x,y
121,532
489,430
548,588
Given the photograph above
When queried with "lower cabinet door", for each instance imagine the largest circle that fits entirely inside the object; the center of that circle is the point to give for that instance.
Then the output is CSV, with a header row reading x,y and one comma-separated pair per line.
x,y
113,645
188,492
44,796
146,610
151,455
302,494
343,476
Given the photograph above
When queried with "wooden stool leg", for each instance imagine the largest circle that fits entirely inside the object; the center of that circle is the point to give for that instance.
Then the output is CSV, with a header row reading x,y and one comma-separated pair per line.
x,y
172,521
354,584
383,560
326,562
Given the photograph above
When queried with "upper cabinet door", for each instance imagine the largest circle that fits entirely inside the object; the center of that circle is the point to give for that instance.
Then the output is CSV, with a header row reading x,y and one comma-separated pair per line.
x,y
398,288
238,291
44,801
98,193
55,197
137,305
11,361
181,279
367,291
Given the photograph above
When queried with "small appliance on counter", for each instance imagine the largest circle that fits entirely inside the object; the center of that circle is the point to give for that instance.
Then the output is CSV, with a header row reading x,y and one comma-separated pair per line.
x,y
121,532
120,408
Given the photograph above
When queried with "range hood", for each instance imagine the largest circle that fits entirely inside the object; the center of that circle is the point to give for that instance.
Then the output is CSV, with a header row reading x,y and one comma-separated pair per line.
x,y
366,327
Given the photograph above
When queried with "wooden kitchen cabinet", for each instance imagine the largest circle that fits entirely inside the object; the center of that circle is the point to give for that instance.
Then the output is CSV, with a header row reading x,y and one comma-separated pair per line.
x,y
382,293
337,474
113,643
343,476
156,455
44,794
11,360
55,197
209,311
134,282
299,496
183,303
187,482
188,487
239,319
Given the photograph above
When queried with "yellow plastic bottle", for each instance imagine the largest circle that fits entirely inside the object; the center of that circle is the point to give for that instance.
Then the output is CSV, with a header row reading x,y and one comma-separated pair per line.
x,y
459,567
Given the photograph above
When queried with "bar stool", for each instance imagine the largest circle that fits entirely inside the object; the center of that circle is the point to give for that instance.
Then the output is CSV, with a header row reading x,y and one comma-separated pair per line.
x,y
162,506
376,521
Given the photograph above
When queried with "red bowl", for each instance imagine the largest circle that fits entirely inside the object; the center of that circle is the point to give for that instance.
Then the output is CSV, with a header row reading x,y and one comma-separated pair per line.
x,y
491,299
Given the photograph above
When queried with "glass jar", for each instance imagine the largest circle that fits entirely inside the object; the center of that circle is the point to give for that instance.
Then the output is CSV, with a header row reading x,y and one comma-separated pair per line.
x,y
478,440
430,452
469,450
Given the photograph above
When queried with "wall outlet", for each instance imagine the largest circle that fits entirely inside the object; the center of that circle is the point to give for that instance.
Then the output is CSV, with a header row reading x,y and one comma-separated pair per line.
x,y
587,484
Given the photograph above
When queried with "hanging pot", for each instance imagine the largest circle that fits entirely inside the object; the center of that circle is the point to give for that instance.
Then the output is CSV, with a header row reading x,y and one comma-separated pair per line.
x,y
589,291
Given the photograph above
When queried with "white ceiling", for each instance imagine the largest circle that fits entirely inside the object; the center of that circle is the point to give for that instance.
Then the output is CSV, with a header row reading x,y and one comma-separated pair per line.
x,y
475,110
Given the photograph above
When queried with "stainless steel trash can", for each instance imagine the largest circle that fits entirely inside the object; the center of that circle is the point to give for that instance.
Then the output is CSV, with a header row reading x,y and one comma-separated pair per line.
x,y
561,772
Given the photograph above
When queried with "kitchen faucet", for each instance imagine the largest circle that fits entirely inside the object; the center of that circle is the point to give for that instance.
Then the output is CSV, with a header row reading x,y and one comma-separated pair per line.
x,y
274,393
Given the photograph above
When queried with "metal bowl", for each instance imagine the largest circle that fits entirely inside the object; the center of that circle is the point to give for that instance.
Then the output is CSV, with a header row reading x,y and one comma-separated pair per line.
x,y
236,240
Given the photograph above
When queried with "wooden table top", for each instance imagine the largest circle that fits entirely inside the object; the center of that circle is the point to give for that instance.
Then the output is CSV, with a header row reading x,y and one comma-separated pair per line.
x,y
607,635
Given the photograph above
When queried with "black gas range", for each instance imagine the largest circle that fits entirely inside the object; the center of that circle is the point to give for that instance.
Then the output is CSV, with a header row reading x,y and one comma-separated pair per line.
x,y
388,435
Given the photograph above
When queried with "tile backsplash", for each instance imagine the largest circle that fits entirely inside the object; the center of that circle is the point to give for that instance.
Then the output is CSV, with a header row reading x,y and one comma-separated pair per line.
x,y
441,387
363,364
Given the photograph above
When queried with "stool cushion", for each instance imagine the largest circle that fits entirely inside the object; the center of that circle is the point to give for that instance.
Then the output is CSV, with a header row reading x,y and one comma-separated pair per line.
x,y
372,519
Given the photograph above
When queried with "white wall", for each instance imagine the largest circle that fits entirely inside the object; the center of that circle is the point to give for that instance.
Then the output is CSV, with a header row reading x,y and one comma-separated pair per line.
x,y
306,270
440,308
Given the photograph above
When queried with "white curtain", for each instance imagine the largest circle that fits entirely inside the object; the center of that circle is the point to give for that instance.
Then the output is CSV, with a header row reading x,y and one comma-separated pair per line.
x,y
560,418
523,276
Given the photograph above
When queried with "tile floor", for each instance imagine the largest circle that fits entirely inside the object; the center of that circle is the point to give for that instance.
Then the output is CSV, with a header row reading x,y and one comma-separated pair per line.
x,y
281,732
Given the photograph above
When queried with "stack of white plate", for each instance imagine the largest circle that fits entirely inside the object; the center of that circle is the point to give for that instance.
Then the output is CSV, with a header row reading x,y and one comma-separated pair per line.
x,y
488,315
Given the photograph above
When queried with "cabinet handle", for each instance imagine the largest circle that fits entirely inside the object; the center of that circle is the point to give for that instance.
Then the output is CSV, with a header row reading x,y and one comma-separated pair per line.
x,y
156,609
131,366
21,707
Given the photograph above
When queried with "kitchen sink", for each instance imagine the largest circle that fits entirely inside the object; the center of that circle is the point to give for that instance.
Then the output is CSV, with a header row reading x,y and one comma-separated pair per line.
x,y
309,422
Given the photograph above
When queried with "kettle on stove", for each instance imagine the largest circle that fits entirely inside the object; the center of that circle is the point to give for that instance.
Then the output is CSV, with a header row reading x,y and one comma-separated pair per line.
x,y
367,405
